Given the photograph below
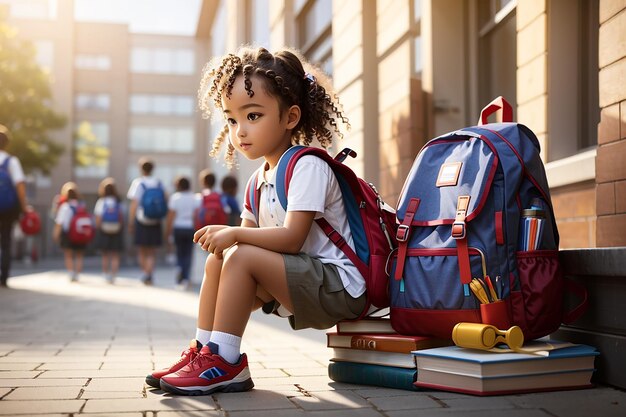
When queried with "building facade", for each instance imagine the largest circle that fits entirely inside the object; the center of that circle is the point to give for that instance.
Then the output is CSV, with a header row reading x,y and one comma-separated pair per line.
x,y
125,95
409,70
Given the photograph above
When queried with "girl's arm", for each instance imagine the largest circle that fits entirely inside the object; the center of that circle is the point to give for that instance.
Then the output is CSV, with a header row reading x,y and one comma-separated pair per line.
x,y
131,216
169,221
286,239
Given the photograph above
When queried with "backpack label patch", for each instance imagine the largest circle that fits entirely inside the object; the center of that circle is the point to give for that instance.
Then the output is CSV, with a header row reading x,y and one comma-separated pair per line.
x,y
449,174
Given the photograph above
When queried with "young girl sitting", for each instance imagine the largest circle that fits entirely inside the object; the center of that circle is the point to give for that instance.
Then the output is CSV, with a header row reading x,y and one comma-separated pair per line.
x,y
285,262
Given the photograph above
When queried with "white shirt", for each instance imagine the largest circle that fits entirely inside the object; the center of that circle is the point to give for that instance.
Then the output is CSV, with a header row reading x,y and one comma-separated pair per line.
x,y
313,187
184,204
15,168
135,192
65,214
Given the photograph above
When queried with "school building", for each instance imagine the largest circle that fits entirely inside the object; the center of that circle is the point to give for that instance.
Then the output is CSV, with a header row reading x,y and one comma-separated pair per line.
x,y
408,70
127,94
405,71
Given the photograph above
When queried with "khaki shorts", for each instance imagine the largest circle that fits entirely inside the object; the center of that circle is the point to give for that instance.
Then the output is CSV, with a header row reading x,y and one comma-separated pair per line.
x,y
317,294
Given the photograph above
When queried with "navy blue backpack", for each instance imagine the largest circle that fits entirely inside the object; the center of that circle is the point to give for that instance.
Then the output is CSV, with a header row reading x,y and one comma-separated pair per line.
x,y
9,201
477,238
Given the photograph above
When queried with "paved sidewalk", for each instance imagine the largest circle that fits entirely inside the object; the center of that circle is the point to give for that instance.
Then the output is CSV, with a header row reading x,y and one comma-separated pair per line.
x,y
85,348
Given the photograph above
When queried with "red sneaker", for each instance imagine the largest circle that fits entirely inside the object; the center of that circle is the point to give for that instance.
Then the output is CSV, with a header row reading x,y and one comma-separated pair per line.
x,y
209,373
188,355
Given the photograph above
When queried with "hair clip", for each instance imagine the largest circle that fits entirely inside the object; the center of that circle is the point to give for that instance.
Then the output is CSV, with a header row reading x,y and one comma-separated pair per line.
x,y
310,77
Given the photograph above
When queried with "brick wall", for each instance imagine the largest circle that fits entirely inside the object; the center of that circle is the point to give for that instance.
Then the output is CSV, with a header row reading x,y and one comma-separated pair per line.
x,y
610,166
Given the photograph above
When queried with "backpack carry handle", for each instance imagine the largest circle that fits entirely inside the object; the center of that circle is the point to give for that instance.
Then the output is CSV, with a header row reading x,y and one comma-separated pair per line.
x,y
499,103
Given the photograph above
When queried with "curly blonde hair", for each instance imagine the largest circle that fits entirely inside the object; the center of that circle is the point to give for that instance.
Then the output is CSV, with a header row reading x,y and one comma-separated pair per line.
x,y
289,78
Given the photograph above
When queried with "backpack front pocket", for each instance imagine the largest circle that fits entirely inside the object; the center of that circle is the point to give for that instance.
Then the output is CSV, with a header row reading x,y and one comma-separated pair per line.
x,y
427,300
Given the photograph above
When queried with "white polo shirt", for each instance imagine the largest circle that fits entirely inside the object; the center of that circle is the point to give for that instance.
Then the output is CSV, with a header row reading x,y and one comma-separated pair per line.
x,y
313,187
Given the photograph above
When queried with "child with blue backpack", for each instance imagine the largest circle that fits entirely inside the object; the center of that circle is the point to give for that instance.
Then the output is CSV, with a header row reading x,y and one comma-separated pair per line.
x,y
13,201
109,223
148,207
283,262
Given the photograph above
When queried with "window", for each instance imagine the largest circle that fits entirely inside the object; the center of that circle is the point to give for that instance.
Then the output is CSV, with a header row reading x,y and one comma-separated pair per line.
x,y
162,61
176,105
85,101
497,50
258,16
161,139
44,54
573,108
91,149
314,26
416,30
32,9
218,32
93,62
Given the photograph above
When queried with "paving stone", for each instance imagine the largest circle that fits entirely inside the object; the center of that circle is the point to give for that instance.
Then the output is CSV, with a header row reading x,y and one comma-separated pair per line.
x,y
98,373
96,395
44,393
257,399
23,366
14,408
19,374
115,384
317,371
4,391
330,400
460,412
43,382
54,366
149,404
413,402
211,413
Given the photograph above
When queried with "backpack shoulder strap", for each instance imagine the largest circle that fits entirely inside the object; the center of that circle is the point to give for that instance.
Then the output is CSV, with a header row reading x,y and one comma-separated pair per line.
x,y
5,164
284,172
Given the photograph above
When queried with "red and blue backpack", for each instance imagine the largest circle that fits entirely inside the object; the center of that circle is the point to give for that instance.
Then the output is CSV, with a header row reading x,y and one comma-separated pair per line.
x,y
461,217
372,226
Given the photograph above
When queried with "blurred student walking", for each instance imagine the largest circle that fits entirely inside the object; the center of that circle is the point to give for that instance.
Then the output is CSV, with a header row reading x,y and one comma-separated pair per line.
x,y
13,195
73,229
109,223
229,200
179,227
148,206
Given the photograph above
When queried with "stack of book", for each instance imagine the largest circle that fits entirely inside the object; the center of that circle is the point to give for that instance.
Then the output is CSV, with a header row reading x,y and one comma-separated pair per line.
x,y
370,352
551,366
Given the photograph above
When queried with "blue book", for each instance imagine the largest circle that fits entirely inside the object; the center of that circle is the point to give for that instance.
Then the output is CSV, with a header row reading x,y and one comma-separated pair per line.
x,y
481,372
376,375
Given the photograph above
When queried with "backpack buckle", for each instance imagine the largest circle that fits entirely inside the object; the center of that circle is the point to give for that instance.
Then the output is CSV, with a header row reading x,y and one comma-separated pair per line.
x,y
458,227
402,234
458,230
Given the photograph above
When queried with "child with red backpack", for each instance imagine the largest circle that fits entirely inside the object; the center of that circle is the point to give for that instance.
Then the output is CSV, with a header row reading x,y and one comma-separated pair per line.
x,y
74,229
283,258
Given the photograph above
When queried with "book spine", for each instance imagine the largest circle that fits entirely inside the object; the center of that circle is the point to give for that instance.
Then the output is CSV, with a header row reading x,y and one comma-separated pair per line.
x,y
376,375
368,343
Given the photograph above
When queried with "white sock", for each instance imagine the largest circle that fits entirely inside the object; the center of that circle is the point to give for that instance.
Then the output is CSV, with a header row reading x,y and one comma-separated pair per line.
x,y
203,336
229,345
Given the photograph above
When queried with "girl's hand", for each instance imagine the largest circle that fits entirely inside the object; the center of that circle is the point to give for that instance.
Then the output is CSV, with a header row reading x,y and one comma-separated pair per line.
x,y
215,239
198,235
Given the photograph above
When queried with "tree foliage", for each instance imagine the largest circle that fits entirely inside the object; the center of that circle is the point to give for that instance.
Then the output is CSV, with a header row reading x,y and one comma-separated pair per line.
x,y
25,103
88,147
